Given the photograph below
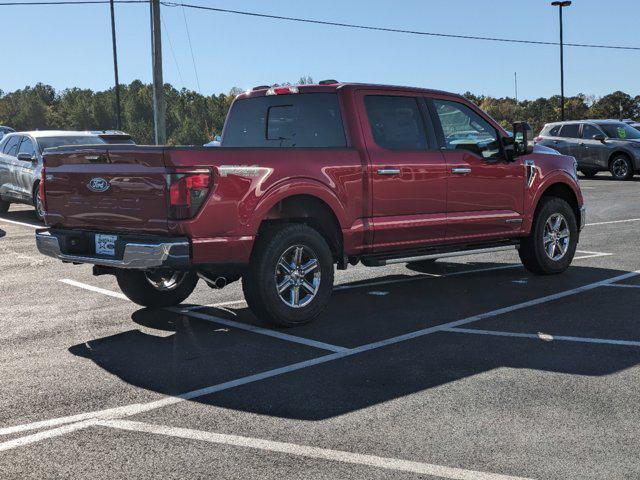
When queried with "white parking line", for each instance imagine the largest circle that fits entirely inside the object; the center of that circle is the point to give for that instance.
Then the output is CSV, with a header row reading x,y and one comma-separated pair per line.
x,y
24,224
260,330
622,285
103,291
613,221
395,464
545,337
136,408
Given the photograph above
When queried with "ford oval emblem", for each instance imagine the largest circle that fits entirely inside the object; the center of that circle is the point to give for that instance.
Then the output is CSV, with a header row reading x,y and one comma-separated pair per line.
x,y
98,184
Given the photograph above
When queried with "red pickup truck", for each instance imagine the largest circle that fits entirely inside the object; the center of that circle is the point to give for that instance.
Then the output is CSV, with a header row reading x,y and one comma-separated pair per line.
x,y
306,178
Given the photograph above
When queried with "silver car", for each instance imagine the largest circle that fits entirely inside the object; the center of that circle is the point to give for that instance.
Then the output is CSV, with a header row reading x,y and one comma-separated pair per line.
x,y
597,145
21,163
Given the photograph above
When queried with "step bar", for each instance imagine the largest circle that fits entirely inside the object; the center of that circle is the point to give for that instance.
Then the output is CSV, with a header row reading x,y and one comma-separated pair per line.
x,y
458,253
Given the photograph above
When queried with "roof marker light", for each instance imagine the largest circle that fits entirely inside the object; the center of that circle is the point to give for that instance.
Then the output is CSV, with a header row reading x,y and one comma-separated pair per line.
x,y
281,90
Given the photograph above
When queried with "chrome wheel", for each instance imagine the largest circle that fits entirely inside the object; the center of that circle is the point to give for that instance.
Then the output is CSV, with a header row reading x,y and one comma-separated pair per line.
x,y
556,237
165,281
620,167
297,276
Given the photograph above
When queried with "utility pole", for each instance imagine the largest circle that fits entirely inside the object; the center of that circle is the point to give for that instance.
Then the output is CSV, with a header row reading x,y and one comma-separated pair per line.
x,y
115,66
560,6
159,107
515,80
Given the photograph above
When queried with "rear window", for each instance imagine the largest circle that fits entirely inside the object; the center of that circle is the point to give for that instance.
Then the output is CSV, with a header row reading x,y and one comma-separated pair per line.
x,y
570,131
65,141
310,120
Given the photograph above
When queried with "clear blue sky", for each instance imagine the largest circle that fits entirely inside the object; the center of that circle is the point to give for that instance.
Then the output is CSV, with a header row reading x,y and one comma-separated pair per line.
x,y
70,46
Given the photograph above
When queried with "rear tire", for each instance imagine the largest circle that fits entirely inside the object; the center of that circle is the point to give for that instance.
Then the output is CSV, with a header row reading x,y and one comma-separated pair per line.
x,y
588,172
37,203
276,287
550,247
156,289
4,206
621,168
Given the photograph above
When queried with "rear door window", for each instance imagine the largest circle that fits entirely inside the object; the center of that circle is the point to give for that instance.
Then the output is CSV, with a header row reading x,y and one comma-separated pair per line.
x,y
570,131
311,120
396,122
11,146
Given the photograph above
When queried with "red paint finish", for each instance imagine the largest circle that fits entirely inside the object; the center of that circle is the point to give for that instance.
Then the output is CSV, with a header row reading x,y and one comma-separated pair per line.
x,y
424,204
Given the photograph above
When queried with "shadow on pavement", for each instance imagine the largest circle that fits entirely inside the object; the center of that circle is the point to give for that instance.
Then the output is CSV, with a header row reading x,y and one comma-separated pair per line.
x,y
183,353
26,215
2,233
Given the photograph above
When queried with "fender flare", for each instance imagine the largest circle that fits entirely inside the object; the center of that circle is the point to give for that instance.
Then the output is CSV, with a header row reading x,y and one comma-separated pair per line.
x,y
550,179
290,188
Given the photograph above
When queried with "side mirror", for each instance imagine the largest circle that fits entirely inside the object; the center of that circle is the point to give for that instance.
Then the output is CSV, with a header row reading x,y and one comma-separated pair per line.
x,y
25,157
522,139
600,137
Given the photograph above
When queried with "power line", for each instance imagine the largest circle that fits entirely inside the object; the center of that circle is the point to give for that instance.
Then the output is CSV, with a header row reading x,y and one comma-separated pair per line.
x,y
390,30
68,2
173,53
193,59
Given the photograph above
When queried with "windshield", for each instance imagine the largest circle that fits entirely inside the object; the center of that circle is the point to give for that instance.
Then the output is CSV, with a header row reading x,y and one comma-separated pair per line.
x,y
621,131
52,142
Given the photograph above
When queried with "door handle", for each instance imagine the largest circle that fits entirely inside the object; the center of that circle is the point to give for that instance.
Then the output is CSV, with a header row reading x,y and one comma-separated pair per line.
x,y
460,170
388,171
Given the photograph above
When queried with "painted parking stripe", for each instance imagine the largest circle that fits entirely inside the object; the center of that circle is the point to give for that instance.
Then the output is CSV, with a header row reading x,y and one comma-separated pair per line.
x,y
545,337
622,285
137,408
306,451
86,286
24,224
259,330
613,221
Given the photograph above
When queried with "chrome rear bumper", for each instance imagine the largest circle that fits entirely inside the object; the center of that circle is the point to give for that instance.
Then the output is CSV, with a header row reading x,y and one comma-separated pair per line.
x,y
136,254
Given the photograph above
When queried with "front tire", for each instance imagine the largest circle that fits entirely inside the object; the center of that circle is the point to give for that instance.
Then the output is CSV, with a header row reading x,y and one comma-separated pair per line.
x,y
4,206
156,288
550,247
621,168
290,276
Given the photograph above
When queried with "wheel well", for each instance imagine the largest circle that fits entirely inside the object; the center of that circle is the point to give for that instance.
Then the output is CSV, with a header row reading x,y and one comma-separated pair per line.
x,y
312,211
560,190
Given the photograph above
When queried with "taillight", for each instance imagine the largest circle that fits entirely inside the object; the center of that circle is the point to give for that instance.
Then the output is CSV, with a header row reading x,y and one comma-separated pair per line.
x,y
41,189
537,139
188,190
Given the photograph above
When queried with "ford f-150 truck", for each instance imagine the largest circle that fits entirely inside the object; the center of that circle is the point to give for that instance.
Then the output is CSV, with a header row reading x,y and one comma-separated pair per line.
x,y
307,178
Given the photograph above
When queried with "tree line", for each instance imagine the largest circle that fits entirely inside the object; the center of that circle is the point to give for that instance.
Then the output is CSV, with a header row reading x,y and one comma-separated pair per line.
x,y
195,119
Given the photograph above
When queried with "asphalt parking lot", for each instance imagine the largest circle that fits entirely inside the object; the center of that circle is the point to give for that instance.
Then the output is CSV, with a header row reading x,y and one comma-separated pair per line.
x,y
468,369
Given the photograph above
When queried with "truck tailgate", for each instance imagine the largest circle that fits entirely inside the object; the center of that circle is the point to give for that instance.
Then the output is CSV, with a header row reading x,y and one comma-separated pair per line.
x,y
110,188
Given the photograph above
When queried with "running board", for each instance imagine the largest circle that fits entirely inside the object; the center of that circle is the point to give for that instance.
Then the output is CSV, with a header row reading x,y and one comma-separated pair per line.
x,y
458,253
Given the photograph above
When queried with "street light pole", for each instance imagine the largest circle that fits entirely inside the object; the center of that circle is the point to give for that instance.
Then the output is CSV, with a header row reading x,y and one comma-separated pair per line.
x,y
560,6
115,66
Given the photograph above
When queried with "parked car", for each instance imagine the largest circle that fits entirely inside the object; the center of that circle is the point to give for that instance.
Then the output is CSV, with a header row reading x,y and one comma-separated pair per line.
x,y
21,162
5,130
597,145
307,178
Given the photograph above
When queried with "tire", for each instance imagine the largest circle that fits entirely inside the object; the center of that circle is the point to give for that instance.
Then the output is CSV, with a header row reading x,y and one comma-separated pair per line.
x,y
534,250
143,287
289,247
37,203
4,206
621,167
589,172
